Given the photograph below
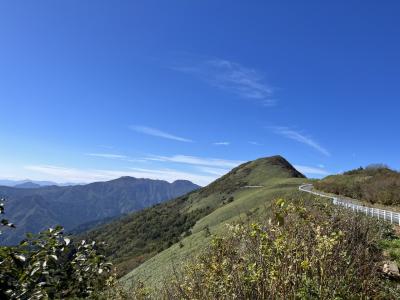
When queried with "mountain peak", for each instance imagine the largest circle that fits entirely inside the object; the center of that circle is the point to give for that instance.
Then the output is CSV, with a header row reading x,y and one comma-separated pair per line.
x,y
278,162
268,167
126,178
259,172
27,185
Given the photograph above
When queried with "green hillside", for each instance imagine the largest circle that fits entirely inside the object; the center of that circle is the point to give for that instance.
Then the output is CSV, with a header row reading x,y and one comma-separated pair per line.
x,y
373,184
151,241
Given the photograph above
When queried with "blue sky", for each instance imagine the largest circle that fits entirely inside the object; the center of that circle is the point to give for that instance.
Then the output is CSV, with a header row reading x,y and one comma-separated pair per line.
x,y
93,90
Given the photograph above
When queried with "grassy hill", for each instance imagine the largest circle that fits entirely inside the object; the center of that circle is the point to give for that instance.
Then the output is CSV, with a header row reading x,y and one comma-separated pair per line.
x,y
373,184
154,240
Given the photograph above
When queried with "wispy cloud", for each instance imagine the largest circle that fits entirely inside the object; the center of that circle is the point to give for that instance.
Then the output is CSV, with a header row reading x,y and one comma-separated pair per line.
x,y
299,137
221,165
311,170
199,161
254,143
65,174
159,133
108,155
115,156
172,175
214,171
234,78
221,143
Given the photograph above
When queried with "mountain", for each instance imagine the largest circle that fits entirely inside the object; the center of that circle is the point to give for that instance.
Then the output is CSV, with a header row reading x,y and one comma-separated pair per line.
x,y
35,209
7,182
373,184
149,241
27,185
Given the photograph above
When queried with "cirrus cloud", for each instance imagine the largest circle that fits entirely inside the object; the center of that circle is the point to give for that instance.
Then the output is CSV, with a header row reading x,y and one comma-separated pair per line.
x,y
232,77
299,137
194,160
159,133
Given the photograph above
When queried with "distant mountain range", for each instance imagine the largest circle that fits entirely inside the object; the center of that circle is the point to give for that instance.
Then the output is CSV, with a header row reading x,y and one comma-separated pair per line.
x,y
34,208
27,183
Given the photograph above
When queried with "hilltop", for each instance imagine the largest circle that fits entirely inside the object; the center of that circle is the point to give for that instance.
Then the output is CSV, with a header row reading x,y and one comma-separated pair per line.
x,y
84,206
27,185
373,184
149,241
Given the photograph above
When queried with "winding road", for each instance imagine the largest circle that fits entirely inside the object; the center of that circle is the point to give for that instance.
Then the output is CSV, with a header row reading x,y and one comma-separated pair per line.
x,y
387,215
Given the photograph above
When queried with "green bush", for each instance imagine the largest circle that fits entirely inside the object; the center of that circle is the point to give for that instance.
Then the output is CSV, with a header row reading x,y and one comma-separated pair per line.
x,y
306,251
50,266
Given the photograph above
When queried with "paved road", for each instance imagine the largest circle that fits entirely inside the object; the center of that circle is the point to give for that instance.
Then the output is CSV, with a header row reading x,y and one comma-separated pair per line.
x,y
390,216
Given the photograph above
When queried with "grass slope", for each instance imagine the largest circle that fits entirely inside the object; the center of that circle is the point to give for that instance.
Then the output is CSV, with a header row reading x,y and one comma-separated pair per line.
x,y
373,185
224,201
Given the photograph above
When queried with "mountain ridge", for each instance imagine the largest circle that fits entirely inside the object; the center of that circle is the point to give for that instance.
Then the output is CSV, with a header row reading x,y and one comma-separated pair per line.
x,y
14,183
27,185
142,236
35,209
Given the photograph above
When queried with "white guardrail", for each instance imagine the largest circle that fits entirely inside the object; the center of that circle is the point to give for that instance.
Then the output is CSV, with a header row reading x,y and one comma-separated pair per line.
x,y
387,215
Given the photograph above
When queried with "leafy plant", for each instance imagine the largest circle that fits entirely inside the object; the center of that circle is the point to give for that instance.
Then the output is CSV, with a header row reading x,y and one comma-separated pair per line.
x,y
49,265
307,250
4,222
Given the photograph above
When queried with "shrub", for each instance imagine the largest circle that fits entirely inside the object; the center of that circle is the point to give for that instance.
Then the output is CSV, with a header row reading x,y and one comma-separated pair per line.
x,y
306,251
49,265
373,184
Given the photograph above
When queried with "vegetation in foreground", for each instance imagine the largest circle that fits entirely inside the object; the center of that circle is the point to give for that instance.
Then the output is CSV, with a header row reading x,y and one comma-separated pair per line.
x,y
373,184
304,249
50,266
308,250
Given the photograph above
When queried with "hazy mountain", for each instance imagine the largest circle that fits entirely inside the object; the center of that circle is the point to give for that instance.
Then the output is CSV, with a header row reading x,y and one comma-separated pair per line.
x,y
133,239
34,209
27,185
8,182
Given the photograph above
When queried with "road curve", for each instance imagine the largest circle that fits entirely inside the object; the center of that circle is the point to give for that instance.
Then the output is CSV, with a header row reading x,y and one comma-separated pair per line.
x,y
387,215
